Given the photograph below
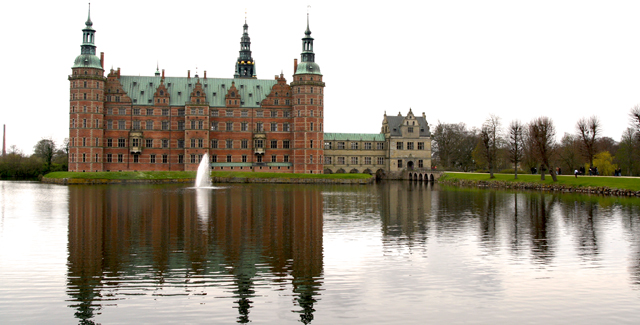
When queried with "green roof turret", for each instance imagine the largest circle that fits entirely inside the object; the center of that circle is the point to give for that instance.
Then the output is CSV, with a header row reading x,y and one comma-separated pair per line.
x,y
245,65
308,64
87,57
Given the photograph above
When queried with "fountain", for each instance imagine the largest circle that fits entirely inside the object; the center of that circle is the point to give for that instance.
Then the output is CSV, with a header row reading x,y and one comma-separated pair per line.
x,y
203,177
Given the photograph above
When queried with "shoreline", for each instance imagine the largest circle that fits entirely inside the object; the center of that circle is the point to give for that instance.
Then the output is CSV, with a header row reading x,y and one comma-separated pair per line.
x,y
214,180
564,188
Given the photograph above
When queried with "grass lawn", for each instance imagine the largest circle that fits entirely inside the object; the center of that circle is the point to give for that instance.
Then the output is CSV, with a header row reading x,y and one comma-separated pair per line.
x,y
192,174
626,183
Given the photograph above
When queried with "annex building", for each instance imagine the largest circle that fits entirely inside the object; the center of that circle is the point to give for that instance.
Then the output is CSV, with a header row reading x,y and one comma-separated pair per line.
x,y
120,122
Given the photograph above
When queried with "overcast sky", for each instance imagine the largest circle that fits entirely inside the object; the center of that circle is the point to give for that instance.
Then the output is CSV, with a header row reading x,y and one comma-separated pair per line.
x,y
457,61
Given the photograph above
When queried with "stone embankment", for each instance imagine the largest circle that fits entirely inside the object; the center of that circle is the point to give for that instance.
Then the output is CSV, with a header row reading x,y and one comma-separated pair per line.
x,y
540,187
80,181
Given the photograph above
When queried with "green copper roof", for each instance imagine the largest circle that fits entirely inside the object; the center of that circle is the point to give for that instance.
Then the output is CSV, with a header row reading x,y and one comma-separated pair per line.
x,y
87,61
141,89
308,68
354,137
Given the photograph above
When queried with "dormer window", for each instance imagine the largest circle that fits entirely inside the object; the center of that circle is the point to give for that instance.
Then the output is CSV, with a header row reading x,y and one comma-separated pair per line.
x,y
233,94
151,84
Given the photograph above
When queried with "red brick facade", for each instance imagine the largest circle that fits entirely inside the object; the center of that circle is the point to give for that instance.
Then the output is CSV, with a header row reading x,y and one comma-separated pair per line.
x,y
128,123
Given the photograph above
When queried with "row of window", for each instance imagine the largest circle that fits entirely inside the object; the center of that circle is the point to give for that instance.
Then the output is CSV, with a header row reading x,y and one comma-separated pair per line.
x,y
164,158
200,111
85,96
410,145
84,84
353,145
196,125
194,143
353,160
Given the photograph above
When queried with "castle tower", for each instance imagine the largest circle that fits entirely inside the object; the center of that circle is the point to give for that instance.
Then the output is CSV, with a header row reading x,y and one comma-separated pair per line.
x,y
86,108
245,66
308,112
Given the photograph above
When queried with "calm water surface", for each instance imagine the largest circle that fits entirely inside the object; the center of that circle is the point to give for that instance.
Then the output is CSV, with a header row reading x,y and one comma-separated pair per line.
x,y
389,253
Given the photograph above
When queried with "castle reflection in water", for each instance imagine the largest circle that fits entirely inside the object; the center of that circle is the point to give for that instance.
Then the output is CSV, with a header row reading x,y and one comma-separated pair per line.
x,y
152,240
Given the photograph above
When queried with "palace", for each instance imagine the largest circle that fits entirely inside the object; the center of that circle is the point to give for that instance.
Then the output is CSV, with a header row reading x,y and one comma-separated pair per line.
x,y
140,123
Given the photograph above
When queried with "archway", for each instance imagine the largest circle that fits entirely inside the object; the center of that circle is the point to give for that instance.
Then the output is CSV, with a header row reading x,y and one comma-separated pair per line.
x,y
328,171
367,171
353,171
379,174
410,165
340,171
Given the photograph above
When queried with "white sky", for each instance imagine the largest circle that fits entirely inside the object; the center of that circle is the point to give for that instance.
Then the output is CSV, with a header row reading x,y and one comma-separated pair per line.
x,y
457,61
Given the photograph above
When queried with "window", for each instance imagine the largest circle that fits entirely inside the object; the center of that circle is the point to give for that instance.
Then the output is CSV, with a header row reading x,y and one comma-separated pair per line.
x,y
399,145
274,144
193,143
214,113
148,143
259,114
214,144
244,158
200,143
286,158
286,113
121,111
410,129
285,144
121,124
244,126
380,145
354,146
229,143
340,145
181,159
165,112
181,112
367,160
136,111
228,158
180,125
229,113
311,125
244,113
244,144
121,143
193,159
96,158
327,145
340,160
165,159
84,142
165,143
200,124
259,158
399,163
420,145
180,143
286,127
109,142
149,111
149,125
367,146
229,126
165,125
327,160
109,158
259,143
214,126
409,145
274,126
120,158
354,160
135,158
380,160
136,125
420,164
259,127
135,142
201,111
152,159
84,123
84,157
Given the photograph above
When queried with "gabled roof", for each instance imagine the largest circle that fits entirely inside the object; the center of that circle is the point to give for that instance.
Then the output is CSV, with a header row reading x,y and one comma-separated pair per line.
x,y
141,89
354,137
396,121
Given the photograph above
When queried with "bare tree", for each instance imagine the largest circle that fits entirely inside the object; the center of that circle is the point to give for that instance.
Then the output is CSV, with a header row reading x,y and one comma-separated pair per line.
x,y
516,144
453,145
627,152
635,117
589,130
542,135
568,151
490,137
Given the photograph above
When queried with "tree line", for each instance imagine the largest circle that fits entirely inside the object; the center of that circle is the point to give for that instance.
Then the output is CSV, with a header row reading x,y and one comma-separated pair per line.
x,y
46,157
532,148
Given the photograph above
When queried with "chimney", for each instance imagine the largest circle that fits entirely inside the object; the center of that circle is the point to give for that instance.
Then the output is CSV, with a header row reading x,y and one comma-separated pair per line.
x,y
295,65
188,73
102,60
162,73
205,74
118,73
4,140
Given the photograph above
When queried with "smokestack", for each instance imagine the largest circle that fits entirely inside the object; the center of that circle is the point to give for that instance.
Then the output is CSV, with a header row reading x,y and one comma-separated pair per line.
x,y
118,73
102,60
162,73
295,65
205,74
4,140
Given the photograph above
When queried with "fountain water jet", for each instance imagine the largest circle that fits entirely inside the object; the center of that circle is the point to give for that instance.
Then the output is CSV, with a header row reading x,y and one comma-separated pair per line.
x,y
203,178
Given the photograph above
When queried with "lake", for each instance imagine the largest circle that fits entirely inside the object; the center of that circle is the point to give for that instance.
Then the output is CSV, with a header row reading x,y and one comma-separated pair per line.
x,y
394,252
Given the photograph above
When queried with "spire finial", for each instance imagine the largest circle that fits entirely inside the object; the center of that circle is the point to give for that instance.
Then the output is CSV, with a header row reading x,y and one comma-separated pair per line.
x,y
89,23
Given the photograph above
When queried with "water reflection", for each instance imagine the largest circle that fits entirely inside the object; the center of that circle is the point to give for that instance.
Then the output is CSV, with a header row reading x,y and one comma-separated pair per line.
x,y
168,241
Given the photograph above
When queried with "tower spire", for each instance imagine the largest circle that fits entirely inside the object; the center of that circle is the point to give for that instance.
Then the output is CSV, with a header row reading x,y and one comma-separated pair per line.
x,y
245,66
87,57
